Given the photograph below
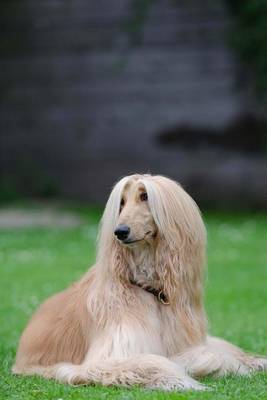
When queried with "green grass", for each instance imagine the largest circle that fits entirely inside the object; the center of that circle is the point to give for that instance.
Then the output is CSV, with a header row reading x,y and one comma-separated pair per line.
x,y
34,263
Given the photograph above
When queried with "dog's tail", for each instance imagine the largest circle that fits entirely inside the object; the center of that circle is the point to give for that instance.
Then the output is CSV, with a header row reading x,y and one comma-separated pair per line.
x,y
149,371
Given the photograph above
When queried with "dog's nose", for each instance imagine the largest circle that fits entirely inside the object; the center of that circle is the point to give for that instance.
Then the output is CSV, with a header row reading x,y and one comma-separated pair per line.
x,y
122,232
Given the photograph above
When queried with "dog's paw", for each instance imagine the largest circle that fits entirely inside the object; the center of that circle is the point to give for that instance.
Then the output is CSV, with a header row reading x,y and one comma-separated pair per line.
x,y
71,374
258,364
173,383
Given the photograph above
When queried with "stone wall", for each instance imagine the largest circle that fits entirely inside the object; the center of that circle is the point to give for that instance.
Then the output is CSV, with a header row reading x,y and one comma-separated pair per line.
x,y
89,88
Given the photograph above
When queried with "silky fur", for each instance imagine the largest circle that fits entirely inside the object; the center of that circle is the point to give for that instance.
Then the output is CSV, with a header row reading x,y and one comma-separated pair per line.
x,y
104,329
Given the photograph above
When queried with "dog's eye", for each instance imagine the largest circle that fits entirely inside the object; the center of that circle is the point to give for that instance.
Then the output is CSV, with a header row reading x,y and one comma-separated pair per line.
x,y
122,203
143,196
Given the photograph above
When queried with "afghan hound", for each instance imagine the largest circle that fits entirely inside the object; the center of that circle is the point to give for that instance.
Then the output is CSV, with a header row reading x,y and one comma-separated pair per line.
x,y
137,316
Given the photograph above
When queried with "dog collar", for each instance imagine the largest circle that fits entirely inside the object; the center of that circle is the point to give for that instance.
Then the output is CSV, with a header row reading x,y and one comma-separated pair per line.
x,y
161,297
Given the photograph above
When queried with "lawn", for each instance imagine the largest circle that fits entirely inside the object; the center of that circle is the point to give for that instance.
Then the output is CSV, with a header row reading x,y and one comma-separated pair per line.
x,y
36,262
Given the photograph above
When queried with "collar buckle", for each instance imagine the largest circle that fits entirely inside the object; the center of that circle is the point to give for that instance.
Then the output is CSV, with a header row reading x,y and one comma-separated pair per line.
x,y
162,298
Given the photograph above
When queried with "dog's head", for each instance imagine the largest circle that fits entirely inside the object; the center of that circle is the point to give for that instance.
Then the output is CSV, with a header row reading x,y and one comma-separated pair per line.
x,y
152,210
136,224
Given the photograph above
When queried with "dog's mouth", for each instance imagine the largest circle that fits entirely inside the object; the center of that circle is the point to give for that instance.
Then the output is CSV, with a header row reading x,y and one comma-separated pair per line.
x,y
132,241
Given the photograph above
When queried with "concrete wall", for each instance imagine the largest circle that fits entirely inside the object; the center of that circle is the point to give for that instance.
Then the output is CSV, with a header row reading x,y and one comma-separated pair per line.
x,y
88,87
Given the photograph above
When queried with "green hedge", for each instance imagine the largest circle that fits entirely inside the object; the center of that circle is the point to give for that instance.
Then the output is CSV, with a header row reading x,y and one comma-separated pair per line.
x,y
249,38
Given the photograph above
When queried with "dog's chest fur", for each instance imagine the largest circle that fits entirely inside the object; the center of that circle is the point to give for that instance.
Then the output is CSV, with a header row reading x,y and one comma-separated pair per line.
x,y
142,324
145,327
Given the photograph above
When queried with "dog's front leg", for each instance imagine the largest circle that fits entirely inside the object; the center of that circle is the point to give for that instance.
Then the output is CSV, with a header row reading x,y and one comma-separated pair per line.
x,y
124,355
146,370
218,357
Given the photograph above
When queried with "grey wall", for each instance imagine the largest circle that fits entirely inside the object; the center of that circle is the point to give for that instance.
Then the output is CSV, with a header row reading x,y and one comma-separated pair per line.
x,y
88,86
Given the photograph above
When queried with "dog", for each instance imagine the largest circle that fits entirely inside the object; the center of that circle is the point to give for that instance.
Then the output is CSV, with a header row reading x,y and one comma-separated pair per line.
x,y
137,316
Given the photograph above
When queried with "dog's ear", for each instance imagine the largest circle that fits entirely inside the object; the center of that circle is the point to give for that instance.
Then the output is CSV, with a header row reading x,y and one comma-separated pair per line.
x,y
166,265
179,268
119,263
113,269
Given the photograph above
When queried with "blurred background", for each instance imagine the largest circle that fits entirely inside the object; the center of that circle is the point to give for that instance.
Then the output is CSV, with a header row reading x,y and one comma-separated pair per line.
x,y
94,90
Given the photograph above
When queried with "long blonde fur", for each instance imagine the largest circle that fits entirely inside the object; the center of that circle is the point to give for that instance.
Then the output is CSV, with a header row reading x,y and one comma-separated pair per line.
x,y
105,329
